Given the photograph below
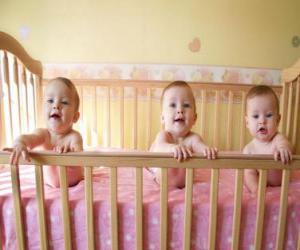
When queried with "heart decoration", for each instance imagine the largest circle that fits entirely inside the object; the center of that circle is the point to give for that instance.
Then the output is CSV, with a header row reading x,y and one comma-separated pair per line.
x,y
195,45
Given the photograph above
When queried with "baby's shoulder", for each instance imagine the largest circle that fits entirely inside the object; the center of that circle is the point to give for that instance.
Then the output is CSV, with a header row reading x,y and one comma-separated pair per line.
x,y
249,148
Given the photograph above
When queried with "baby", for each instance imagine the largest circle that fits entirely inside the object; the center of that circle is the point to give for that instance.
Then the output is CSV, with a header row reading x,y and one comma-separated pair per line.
x,y
178,117
61,103
262,119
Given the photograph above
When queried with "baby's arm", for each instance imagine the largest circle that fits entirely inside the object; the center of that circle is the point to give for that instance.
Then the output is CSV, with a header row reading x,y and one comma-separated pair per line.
x,y
283,149
251,175
72,143
25,142
164,143
200,147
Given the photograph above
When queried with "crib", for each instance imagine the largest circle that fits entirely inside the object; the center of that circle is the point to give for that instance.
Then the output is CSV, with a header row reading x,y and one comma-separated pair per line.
x,y
223,204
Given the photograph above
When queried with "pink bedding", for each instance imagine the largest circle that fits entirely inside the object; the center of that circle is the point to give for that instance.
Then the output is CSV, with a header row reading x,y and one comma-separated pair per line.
x,y
151,212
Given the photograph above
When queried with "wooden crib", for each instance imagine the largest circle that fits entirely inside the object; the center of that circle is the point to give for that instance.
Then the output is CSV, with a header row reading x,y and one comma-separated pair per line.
x,y
20,111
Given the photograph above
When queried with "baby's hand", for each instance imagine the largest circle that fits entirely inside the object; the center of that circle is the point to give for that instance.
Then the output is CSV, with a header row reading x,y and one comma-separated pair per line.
x,y
18,150
67,147
210,153
284,154
181,152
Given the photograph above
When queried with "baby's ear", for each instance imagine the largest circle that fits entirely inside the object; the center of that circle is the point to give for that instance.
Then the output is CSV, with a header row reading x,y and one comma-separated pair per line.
x,y
162,120
279,118
76,116
246,119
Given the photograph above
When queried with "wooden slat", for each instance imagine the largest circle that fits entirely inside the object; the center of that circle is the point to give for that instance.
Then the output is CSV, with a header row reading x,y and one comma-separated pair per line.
x,y
135,118
164,209
35,104
229,121
212,231
114,208
243,126
283,107
296,114
39,100
41,206
203,109
216,119
139,208
15,182
282,209
9,99
260,211
65,207
188,212
94,118
122,117
108,132
17,85
2,127
89,206
24,81
238,194
289,111
149,117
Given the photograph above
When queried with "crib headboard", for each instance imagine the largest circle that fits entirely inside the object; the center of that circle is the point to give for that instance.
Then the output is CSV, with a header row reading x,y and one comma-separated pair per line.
x,y
20,78
126,113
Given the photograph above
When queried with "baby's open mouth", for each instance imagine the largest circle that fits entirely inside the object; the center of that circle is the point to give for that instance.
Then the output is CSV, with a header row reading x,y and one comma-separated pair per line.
x,y
55,116
179,120
262,130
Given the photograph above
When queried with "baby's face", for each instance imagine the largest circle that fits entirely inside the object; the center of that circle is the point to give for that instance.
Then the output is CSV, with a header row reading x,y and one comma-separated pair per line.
x,y
59,107
178,111
262,117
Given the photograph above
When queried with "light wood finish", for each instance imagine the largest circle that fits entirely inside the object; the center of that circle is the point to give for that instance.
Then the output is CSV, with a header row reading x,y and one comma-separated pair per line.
x,y
229,121
203,108
17,85
188,208
7,86
289,111
135,118
17,206
243,126
8,43
216,120
283,105
114,208
41,207
164,209
163,160
149,117
238,194
38,100
290,74
24,81
122,117
283,209
94,118
35,103
89,206
260,211
65,207
139,208
296,113
213,209
108,143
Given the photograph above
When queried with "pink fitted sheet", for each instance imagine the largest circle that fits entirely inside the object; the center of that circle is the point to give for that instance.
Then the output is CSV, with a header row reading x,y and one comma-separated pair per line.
x,y
151,214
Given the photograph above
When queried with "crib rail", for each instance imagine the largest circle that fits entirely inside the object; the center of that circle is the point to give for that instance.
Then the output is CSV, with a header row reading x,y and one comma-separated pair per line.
x,y
139,160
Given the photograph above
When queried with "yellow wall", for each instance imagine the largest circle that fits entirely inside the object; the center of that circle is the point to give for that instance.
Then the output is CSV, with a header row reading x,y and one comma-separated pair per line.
x,y
232,33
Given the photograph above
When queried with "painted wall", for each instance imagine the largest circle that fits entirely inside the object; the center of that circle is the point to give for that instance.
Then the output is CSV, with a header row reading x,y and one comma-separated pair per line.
x,y
231,33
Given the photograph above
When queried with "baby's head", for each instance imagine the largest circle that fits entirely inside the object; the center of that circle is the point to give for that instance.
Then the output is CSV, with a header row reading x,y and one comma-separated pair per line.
x,y
61,104
178,108
262,112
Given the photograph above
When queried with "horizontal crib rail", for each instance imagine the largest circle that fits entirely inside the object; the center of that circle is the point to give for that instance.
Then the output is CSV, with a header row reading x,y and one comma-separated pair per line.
x,y
160,160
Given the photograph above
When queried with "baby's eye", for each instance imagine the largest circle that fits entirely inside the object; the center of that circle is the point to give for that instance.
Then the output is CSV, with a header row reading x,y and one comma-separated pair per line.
x,y
255,116
186,105
49,100
172,105
269,115
65,102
